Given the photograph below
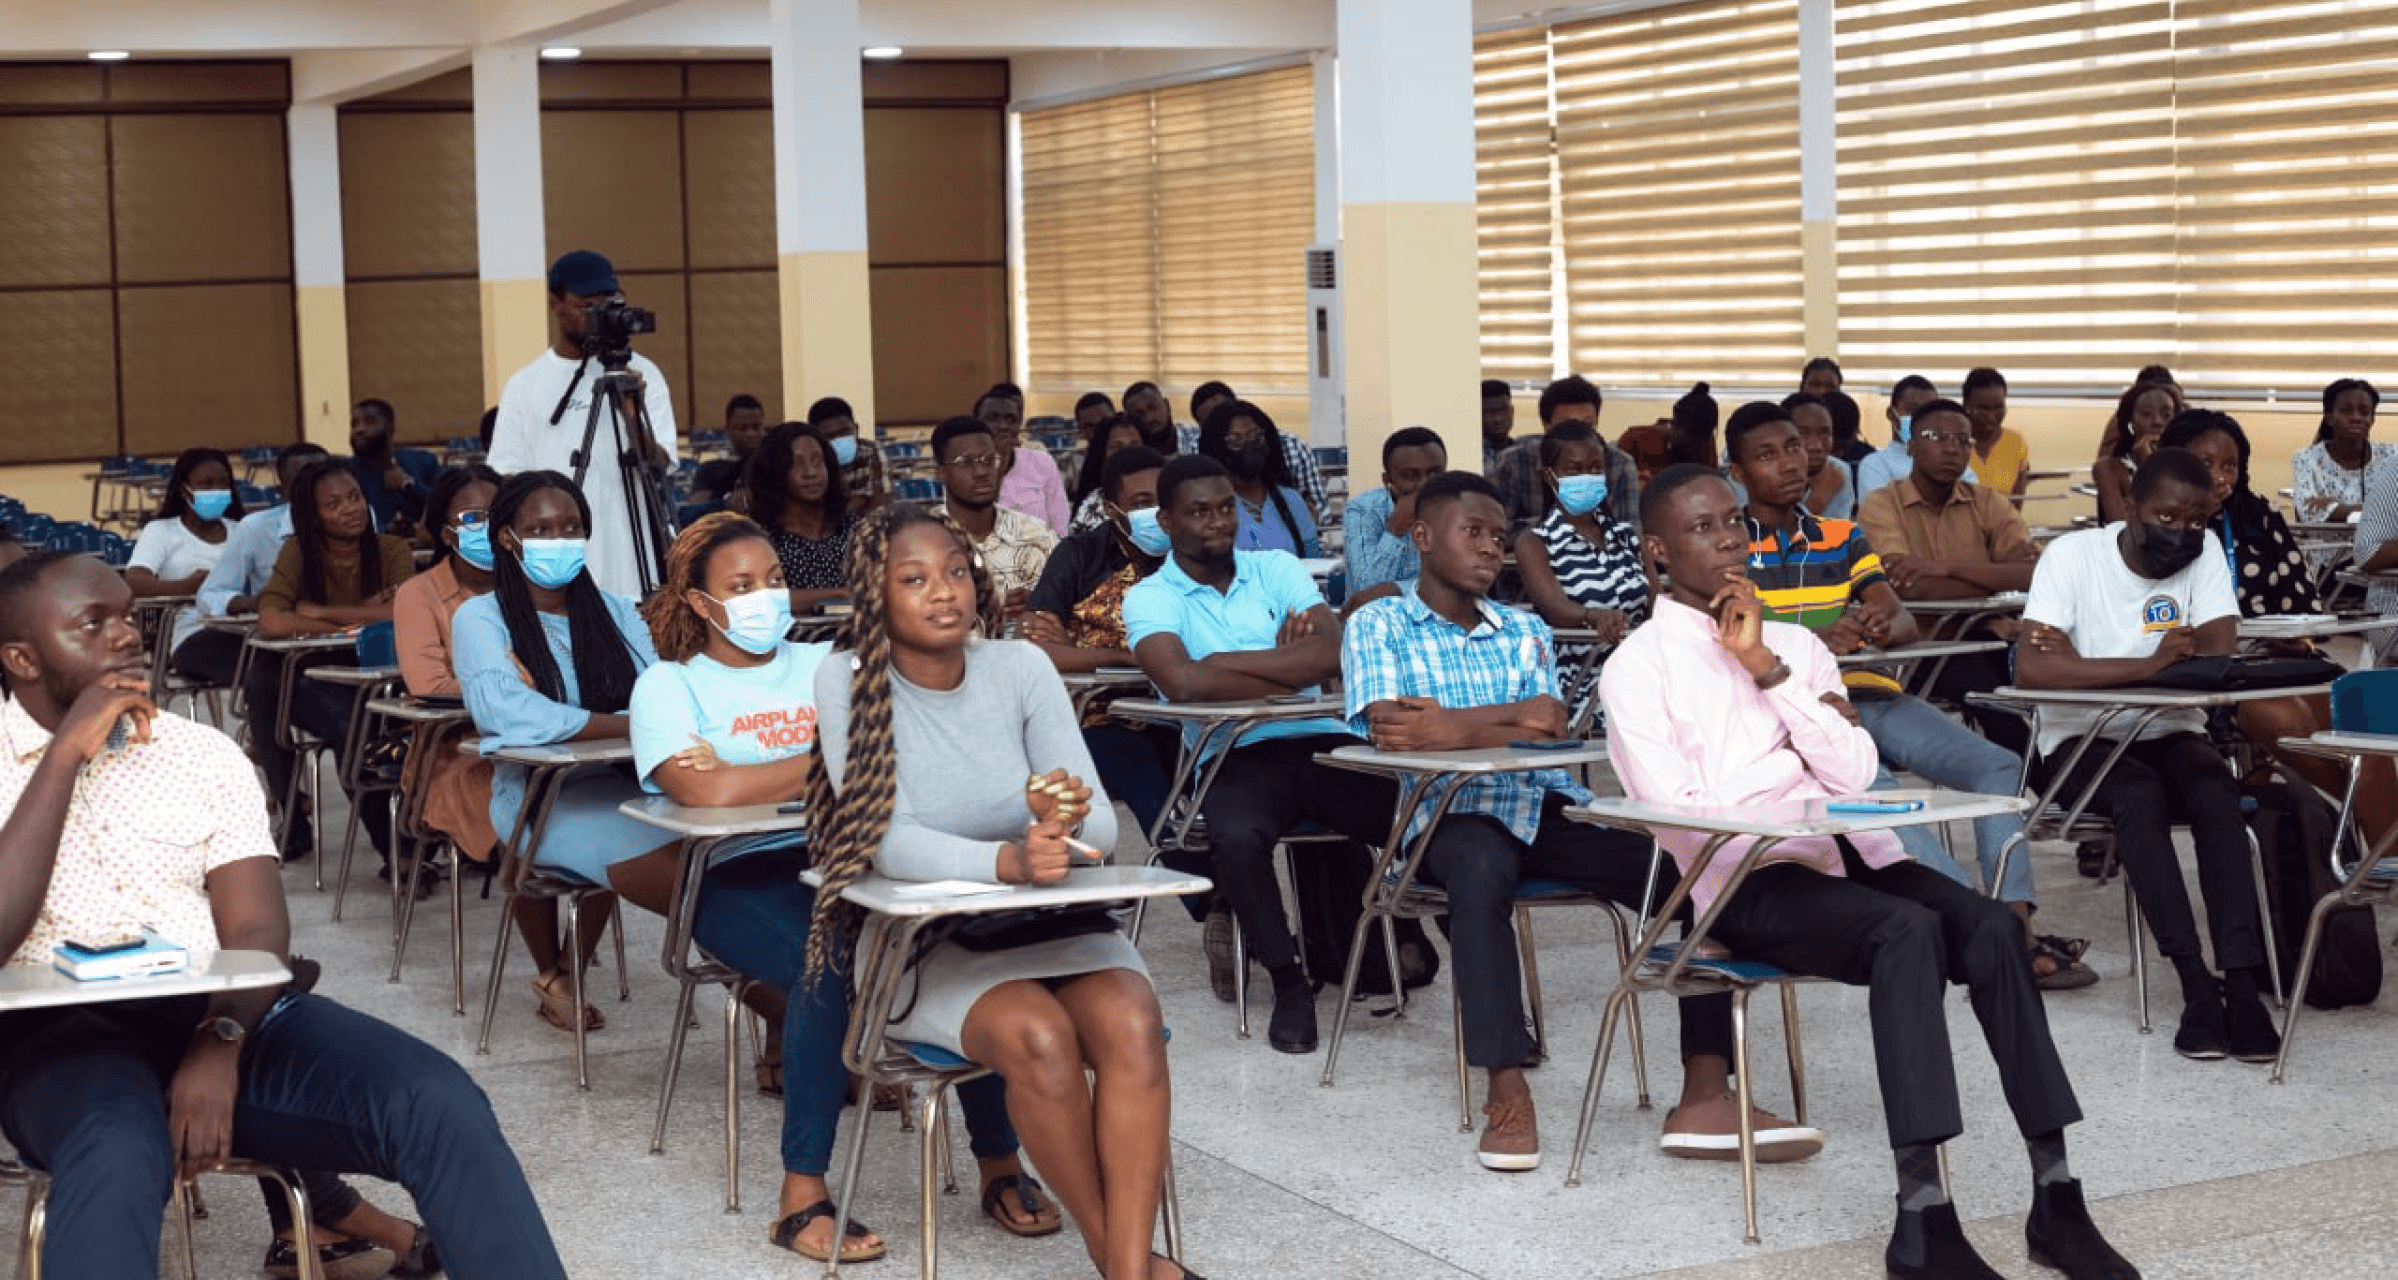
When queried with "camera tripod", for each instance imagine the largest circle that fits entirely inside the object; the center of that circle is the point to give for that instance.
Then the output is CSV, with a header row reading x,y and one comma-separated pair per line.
x,y
644,504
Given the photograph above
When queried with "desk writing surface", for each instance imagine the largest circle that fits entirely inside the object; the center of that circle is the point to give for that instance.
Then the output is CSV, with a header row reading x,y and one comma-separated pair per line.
x,y
1797,818
1255,709
592,751
711,823
2142,697
1082,886
25,986
1471,760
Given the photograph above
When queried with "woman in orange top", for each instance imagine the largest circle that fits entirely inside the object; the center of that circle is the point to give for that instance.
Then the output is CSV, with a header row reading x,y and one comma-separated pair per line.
x,y
457,784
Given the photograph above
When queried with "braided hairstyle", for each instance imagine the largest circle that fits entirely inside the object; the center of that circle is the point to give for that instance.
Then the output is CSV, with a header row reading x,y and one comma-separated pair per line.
x,y
308,533
604,663
674,626
848,829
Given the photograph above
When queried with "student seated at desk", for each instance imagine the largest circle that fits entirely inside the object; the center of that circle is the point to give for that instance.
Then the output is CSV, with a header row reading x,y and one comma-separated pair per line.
x,y
231,587
1274,515
196,517
457,784
1580,565
1011,545
1219,624
727,716
928,736
1824,575
796,495
1442,668
1944,537
1076,616
1710,704
334,576
120,813
1374,524
2114,606
550,657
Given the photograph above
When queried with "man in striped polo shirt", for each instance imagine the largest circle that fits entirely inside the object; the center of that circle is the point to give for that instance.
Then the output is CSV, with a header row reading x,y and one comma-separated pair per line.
x,y
1822,574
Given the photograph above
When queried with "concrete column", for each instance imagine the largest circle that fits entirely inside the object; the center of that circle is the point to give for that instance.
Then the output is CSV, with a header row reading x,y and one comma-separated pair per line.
x,y
820,205
1819,199
510,234
1411,328
318,278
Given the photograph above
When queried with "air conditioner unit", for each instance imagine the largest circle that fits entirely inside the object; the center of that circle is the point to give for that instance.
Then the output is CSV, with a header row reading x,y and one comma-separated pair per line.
x,y
1325,422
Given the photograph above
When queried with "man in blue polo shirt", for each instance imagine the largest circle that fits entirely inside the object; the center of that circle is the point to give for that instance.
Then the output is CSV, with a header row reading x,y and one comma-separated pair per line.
x,y
1218,625
1439,668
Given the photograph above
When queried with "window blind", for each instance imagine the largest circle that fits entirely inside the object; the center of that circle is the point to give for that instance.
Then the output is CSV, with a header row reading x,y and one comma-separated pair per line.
x,y
2286,120
1515,189
1165,236
1678,162
2006,178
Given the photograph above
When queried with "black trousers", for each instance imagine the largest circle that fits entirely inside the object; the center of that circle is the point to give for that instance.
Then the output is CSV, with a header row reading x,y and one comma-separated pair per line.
x,y
1479,862
1905,932
1267,790
320,709
2180,778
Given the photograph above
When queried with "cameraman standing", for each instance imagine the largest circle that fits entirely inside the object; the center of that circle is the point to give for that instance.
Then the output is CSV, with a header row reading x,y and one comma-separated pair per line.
x,y
542,413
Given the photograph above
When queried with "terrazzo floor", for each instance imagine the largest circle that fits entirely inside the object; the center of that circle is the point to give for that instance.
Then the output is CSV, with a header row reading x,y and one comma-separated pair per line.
x,y
2196,1169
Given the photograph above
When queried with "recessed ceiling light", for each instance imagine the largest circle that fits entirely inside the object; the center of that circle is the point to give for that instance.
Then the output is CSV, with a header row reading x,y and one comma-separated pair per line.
x,y
562,53
108,55
883,52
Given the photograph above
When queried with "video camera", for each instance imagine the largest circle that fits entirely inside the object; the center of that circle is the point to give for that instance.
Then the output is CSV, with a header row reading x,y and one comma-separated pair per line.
x,y
608,328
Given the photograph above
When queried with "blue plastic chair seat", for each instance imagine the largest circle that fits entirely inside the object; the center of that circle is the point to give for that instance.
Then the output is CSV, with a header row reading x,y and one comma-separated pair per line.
x,y
1534,890
1662,955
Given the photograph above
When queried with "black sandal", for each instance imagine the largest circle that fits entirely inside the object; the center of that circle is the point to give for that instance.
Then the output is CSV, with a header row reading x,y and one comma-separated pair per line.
x,y
1187,1273
2065,955
1024,1185
423,1257
786,1236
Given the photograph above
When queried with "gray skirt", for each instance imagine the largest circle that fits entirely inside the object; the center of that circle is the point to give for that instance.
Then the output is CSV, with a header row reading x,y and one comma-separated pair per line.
x,y
950,978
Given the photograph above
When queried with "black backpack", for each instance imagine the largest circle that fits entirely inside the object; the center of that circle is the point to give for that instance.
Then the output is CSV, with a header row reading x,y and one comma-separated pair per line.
x,y
2293,827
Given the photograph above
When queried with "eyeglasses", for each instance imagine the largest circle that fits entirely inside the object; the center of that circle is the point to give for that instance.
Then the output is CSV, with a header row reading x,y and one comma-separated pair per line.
x,y
1942,437
469,519
974,462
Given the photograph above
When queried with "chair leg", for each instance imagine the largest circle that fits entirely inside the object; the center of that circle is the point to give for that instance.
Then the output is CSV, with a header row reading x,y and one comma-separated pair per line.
x,y
2264,906
36,1225
573,904
1340,1013
930,1200
732,1096
1790,1046
624,976
1531,966
301,1218
311,763
499,965
2138,934
458,942
1742,1101
1240,978
1640,1052
1598,1076
680,1029
2306,969
1390,954
349,850
845,1199
1169,1207
1465,1101
181,1206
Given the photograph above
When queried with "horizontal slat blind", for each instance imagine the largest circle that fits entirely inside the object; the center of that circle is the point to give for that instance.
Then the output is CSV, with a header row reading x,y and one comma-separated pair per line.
x,y
2287,254
2006,179
1515,205
1678,156
1165,236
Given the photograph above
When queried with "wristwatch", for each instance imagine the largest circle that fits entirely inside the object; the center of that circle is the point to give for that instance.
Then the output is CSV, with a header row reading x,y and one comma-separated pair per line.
x,y
229,1030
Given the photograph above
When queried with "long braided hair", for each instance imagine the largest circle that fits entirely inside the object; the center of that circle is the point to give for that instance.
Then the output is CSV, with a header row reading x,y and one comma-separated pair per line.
x,y
848,829
605,666
675,628
308,533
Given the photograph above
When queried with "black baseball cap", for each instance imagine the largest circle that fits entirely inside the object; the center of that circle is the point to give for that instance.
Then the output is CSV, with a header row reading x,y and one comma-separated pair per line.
x,y
583,273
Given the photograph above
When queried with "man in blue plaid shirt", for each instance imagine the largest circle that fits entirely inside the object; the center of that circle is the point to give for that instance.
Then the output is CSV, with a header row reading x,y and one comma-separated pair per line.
x,y
1443,668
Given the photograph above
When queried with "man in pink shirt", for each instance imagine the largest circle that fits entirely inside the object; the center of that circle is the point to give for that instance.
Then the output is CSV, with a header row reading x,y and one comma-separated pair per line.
x,y
1028,479
1755,715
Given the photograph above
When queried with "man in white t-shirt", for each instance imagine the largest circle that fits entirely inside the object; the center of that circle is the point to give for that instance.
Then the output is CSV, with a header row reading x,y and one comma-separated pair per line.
x,y
542,413
2113,607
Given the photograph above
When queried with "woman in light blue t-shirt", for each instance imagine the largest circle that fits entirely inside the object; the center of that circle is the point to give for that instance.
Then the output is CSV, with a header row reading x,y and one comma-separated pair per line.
x,y
728,717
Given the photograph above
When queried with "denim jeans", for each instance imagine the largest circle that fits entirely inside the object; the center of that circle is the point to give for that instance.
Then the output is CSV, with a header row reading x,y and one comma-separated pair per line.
x,y
83,1095
1912,735
753,915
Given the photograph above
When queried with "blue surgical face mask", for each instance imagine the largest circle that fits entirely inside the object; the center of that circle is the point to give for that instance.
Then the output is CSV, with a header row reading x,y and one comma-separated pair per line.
x,y
211,504
552,562
474,544
845,449
755,621
1581,495
1140,525
1906,427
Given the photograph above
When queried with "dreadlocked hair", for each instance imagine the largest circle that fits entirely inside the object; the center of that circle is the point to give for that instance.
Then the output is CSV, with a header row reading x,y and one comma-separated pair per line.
x,y
604,663
674,626
848,829
308,533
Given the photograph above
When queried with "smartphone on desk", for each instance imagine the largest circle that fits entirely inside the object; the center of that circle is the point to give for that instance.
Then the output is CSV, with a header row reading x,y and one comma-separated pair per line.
x,y
1545,744
1290,699
1872,806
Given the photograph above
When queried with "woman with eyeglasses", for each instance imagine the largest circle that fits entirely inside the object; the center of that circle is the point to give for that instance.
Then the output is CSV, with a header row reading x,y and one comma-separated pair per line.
x,y
458,785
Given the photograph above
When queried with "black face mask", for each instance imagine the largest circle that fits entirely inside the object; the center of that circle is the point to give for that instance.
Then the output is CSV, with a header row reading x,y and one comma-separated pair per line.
x,y
1249,461
2163,552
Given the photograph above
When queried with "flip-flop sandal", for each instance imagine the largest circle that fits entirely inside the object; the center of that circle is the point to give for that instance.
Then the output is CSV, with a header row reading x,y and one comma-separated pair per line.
x,y
1187,1273
2064,955
1024,1185
786,1236
557,1007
